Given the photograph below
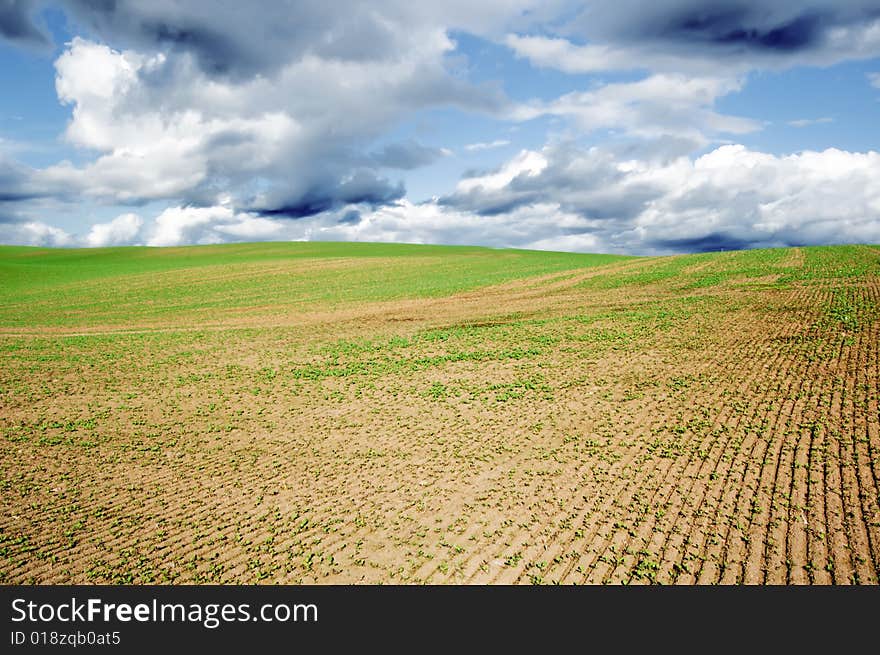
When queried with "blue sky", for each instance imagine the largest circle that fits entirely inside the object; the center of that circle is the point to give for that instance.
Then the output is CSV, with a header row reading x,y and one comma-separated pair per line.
x,y
590,126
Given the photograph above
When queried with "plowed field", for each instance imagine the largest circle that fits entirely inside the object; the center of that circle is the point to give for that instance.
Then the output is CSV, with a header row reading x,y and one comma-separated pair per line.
x,y
433,416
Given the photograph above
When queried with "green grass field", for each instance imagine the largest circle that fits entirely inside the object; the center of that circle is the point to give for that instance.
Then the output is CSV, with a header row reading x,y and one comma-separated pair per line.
x,y
121,286
132,285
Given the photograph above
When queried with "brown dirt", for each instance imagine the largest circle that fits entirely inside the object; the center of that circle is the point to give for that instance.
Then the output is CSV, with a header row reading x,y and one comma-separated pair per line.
x,y
739,445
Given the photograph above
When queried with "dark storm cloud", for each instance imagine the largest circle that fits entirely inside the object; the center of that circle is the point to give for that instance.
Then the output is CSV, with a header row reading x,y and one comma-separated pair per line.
x,y
350,217
18,196
216,53
737,25
240,39
490,204
131,23
362,188
16,184
724,26
16,24
794,34
713,242
406,155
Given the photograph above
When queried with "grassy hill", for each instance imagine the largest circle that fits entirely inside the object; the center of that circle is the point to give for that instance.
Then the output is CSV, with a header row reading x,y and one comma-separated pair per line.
x,y
129,285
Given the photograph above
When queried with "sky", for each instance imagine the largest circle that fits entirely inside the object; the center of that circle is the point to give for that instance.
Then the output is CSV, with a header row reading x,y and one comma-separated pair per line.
x,y
606,126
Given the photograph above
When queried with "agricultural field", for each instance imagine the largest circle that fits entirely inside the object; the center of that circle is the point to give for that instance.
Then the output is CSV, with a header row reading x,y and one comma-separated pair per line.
x,y
363,413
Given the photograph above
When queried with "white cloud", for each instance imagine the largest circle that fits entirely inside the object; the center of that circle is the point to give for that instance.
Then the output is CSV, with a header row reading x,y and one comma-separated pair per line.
x,y
122,230
751,199
251,228
180,225
569,198
433,223
562,54
178,102
589,200
874,79
95,79
569,243
156,145
164,128
217,224
487,145
658,105
527,162
806,122
34,233
731,197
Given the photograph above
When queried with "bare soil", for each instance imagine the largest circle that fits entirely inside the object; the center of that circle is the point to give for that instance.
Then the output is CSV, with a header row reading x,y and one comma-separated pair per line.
x,y
541,431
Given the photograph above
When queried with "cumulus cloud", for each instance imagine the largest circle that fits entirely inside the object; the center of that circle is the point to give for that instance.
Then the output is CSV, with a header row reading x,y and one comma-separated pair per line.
x,y
286,136
203,225
179,103
164,128
431,222
729,198
122,230
569,198
193,225
566,197
592,183
34,233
